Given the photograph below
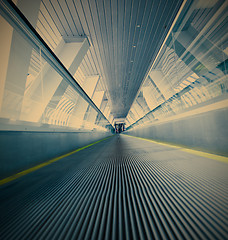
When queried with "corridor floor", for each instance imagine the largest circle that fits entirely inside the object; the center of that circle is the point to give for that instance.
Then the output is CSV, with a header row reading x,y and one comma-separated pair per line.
x,y
120,188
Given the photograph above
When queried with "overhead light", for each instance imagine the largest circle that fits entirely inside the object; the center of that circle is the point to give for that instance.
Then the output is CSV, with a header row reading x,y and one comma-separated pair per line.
x,y
134,46
138,26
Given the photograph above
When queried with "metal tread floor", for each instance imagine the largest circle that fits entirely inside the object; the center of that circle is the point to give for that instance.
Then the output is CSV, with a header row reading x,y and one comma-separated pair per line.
x,y
121,188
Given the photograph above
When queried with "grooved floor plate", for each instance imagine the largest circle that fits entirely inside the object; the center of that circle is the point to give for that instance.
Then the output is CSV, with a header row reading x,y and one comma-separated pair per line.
x,y
121,188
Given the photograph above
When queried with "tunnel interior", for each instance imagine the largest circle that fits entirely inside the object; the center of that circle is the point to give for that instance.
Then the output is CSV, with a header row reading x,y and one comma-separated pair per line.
x,y
113,119
119,127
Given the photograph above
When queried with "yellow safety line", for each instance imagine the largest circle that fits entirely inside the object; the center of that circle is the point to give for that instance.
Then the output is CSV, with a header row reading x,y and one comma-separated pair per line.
x,y
184,149
20,174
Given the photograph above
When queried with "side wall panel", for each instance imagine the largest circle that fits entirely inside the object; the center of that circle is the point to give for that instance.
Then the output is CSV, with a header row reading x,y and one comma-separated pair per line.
x,y
207,132
22,150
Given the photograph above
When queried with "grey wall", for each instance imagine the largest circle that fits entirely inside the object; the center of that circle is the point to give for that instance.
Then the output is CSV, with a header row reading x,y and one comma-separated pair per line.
x,y
20,150
207,132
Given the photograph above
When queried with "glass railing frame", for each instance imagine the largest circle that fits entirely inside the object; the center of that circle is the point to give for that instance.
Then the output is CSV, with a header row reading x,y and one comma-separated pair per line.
x,y
18,21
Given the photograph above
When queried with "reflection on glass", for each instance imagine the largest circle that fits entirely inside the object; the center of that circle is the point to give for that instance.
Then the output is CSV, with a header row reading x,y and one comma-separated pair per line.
x,y
191,67
33,92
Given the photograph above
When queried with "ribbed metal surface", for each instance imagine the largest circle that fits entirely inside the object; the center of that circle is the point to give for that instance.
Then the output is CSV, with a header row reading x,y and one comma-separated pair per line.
x,y
125,37
122,188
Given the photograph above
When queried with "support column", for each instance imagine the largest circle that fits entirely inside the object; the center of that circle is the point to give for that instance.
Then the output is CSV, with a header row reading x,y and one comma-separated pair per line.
x,y
16,61
71,55
162,83
5,44
97,99
81,108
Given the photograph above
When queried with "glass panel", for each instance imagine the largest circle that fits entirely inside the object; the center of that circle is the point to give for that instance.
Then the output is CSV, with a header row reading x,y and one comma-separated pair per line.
x,y
191,68
33,93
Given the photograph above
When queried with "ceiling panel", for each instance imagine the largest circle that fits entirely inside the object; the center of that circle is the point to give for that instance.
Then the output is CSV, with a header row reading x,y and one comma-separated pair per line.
x,y
125,37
